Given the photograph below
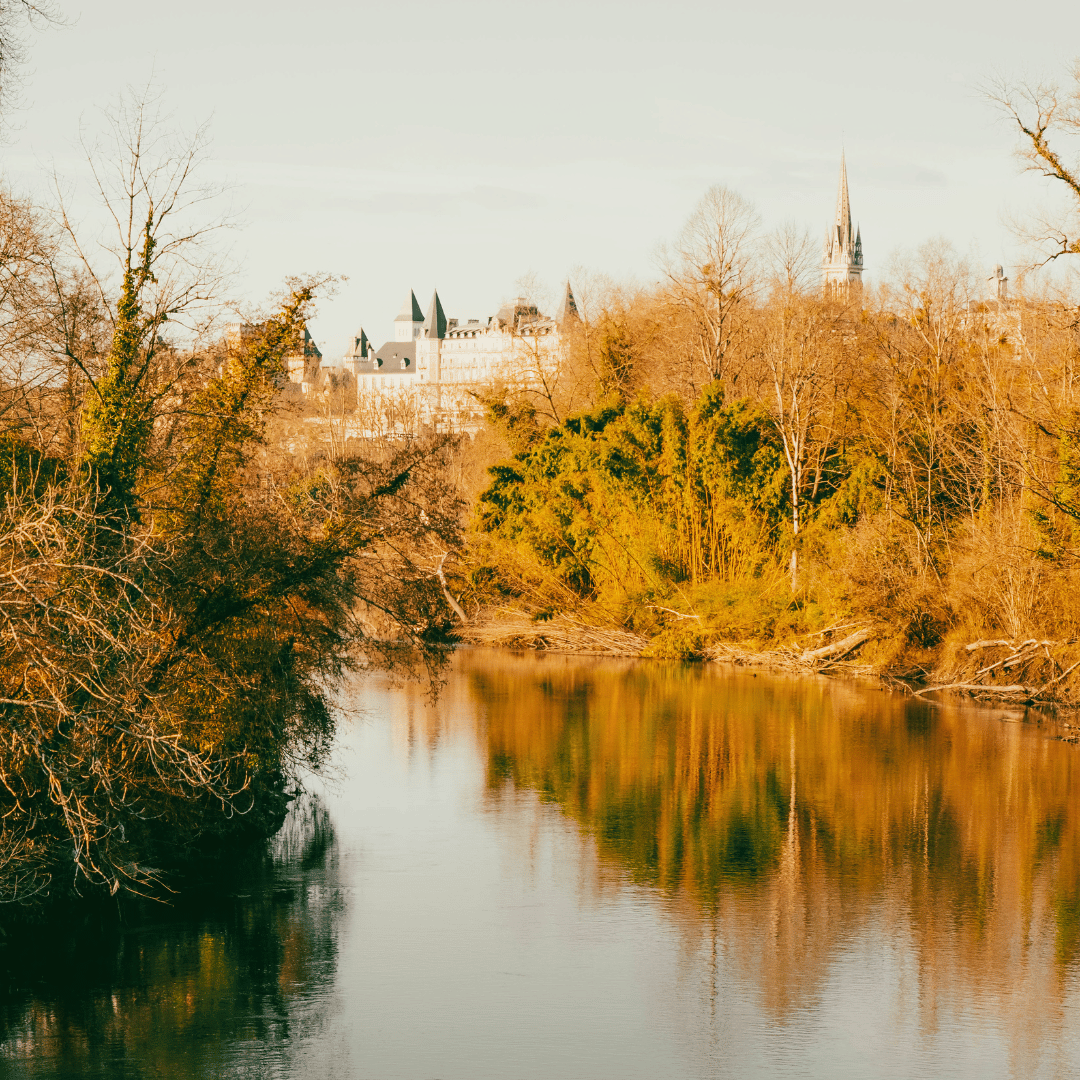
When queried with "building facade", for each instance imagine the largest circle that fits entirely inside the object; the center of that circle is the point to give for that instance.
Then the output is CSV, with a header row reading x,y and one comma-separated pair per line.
x,y
446,366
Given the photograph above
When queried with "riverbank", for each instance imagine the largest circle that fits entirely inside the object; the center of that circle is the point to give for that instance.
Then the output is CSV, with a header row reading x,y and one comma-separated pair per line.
x,y
1031,672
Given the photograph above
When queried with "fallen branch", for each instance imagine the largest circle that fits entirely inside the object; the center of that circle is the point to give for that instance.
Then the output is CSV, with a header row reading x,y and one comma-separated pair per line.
x,y
457,608
838,648
672,611
1023,653
1002,643
1056,680
980,687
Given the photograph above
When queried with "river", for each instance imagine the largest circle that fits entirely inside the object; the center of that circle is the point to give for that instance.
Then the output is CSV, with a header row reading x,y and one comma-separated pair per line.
x,y
572,867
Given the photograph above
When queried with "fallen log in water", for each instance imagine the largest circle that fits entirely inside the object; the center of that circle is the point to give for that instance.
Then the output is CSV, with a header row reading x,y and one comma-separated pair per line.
x,y
794,658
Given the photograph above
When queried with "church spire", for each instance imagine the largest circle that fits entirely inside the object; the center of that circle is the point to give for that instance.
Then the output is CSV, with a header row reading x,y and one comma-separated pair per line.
x,y
842,264
843,207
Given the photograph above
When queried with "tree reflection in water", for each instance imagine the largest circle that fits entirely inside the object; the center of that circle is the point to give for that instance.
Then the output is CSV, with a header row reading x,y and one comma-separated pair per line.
x,y
835,862
782,817
196,990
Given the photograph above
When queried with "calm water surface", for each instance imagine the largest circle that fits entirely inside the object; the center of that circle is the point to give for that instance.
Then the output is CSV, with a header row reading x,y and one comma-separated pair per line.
x,y
577,868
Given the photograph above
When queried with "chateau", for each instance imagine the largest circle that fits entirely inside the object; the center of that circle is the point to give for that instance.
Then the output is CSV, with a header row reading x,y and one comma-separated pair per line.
x,y
438,367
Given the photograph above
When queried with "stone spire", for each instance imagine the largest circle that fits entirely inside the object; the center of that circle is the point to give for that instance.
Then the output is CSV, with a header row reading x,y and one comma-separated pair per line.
x,y
998,284
435,323
842,263
843,206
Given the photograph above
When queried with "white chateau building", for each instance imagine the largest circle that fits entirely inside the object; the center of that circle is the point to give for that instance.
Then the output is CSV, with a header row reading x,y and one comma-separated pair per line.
x,y
842,264
437,368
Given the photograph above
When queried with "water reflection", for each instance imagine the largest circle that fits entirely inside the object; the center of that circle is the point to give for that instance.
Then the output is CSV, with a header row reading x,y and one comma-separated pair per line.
x,y
785,819
222,984
574,867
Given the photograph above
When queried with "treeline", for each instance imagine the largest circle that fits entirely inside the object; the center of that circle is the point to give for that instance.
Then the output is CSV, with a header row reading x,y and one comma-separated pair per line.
x,y
180,592
730,456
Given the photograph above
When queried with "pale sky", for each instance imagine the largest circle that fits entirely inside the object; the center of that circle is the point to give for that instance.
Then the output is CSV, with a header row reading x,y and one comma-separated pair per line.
x,y
465,144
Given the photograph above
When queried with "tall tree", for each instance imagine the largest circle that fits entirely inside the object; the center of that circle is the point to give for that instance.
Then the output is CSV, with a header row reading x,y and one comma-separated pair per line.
x,y
712,273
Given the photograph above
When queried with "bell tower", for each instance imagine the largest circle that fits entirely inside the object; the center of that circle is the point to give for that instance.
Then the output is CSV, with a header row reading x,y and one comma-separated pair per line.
x,y
842,263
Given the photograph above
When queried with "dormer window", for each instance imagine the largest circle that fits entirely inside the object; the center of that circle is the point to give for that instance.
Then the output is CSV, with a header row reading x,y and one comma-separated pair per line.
x,y
404,363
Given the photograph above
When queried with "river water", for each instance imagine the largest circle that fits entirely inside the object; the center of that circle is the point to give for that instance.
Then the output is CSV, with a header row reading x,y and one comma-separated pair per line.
x,y
570,867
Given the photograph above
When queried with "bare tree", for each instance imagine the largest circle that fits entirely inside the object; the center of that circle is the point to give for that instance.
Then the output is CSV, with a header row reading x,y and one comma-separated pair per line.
x,y
712,272
792,259
16,17
28,258
923,344
160,285
1047,116
148,180
805,357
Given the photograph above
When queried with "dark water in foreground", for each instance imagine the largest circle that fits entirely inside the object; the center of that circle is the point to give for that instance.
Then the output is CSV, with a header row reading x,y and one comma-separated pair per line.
x,y
574,868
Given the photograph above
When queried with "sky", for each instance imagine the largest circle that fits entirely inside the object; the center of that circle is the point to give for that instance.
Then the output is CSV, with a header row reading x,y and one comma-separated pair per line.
x,y
465,145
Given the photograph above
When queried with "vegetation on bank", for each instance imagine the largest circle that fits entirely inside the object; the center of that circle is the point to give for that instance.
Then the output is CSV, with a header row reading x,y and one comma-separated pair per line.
x,y
180,592
903,463
730,463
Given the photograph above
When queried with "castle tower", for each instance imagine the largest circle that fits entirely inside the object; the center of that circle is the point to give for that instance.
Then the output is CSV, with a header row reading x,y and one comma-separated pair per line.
x,y
429,342
409,320
568,307
361,346
435,324
842,264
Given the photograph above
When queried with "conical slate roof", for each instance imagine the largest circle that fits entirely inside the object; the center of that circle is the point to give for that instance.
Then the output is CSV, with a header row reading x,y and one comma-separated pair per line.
x,y
435,323
410,310
568,307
